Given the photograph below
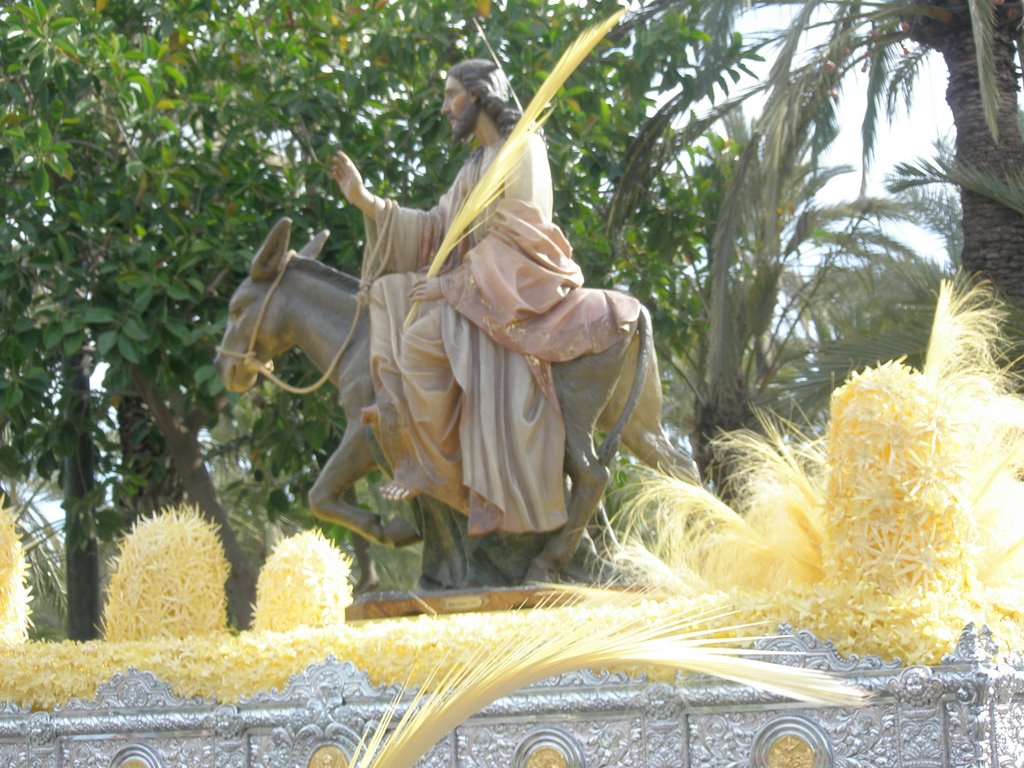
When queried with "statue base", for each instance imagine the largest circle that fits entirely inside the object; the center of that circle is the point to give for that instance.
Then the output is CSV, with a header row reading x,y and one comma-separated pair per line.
x,y
391,605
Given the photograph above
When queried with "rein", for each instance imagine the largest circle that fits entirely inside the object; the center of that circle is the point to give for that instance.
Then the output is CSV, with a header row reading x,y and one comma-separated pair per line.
x,y
371,271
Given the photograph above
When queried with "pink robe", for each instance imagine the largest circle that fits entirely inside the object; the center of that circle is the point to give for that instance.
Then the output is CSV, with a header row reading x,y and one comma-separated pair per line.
x,y
468,412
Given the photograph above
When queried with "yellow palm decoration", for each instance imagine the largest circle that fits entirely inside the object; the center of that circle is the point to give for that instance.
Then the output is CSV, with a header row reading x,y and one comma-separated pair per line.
x,y
622,629
15,594
489,188
892,531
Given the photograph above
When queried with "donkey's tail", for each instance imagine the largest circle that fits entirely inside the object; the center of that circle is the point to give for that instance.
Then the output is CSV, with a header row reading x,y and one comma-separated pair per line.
x,y
610,444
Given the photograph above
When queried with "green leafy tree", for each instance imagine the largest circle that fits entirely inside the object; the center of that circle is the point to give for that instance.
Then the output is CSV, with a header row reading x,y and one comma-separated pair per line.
x,y
145,149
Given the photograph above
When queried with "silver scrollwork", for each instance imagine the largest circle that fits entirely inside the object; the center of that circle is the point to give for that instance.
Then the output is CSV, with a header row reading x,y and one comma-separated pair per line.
x,y
965,713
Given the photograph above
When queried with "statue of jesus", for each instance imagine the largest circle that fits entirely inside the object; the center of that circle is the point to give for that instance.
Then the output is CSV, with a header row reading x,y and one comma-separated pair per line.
x,y
466,410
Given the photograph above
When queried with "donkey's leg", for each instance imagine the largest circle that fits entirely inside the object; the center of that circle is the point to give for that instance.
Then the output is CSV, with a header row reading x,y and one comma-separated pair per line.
x,y
368,581
655,450
589,480
585,386
644,435
352,460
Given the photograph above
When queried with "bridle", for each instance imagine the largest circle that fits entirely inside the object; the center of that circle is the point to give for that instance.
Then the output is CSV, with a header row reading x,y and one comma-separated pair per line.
x,y
250,360
373,266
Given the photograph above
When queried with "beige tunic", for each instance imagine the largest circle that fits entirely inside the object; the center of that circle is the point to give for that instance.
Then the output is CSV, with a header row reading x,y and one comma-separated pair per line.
x,y
467,409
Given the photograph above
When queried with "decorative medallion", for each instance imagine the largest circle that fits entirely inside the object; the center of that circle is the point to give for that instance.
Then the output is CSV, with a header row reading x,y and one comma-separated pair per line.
x,y
546,757
547,747
136,756
790,752
328,756
792,741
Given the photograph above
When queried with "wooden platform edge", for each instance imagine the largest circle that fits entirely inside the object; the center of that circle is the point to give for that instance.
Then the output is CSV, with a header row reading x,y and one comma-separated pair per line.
x,y
390,605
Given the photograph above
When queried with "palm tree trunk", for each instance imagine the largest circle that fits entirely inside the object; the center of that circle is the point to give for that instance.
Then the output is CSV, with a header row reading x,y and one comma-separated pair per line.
x,y
729,408
993,234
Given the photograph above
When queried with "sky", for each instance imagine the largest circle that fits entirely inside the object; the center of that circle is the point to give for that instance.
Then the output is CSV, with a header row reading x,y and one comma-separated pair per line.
x,y
910,136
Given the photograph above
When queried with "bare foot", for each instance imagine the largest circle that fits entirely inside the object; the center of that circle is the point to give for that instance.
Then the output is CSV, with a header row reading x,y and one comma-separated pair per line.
x,y
396,491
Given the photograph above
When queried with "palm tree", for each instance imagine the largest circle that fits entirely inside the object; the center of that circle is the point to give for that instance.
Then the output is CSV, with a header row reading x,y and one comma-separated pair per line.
x,y
769,249
978,42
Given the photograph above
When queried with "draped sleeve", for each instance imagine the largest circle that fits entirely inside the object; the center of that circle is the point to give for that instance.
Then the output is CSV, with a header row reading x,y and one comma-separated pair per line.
x,y
407,238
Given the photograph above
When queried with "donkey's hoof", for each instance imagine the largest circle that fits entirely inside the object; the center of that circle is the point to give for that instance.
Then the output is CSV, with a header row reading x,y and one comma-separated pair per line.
x,y
363,587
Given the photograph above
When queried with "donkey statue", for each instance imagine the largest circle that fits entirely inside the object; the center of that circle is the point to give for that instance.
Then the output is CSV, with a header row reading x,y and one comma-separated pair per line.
x,y
291,300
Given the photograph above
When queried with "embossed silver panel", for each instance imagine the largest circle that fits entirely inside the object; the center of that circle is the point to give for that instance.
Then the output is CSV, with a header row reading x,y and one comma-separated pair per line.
x,y
967,712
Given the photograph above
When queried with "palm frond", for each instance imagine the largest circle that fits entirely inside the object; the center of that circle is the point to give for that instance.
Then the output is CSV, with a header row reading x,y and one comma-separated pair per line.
x,y
939,211
864,316
658,144
879,73
902,79
983,22
489,188
1007,190
620,637
801,99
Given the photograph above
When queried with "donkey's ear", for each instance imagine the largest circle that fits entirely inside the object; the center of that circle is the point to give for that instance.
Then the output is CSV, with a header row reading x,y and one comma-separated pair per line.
x,y
312,249
267,260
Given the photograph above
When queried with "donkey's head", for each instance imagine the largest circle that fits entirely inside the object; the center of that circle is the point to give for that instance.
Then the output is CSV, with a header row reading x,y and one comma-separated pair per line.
x,y
257,326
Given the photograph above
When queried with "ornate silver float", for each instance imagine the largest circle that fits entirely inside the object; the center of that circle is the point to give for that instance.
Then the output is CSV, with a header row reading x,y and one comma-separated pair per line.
x,y
967,712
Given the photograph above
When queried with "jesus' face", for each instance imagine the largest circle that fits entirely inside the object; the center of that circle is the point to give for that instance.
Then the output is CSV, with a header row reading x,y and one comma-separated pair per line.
x,y
460,108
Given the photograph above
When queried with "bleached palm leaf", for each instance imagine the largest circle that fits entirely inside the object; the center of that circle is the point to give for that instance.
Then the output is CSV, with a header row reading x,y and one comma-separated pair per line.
x,y
620,637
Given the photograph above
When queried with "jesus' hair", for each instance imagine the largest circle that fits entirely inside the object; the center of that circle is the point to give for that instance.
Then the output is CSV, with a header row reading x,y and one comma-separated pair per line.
x,y
484,80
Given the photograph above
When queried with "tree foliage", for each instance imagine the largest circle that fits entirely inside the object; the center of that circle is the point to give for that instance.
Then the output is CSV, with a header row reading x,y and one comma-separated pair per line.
x,y
145,149
827,41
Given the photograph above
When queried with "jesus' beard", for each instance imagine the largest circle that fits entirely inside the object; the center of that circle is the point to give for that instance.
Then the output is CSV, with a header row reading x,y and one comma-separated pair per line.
x,y
465,122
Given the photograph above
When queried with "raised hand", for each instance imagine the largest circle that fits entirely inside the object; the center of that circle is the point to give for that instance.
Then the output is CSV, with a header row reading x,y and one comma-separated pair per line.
x,y
350,181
